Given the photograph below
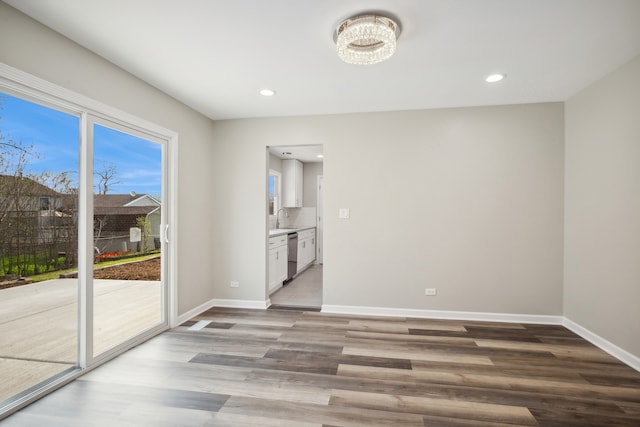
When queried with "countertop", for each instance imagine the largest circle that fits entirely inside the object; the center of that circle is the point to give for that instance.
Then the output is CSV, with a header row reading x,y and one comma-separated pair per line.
x,y
280,231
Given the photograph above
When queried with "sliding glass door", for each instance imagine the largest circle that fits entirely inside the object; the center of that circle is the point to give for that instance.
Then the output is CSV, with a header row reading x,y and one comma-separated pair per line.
x,y
83,237
38,244
128,297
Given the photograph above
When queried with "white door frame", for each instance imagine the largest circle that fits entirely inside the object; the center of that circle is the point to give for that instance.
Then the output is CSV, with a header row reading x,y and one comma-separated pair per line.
x,y
320,220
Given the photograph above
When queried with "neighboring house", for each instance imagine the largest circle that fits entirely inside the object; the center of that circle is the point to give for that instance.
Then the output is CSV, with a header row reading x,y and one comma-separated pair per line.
x,y
115,214
31,213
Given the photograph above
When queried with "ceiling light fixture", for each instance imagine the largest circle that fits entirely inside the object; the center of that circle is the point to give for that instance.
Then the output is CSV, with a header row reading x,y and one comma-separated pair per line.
x,y
320,156
366,39
267,92
493,78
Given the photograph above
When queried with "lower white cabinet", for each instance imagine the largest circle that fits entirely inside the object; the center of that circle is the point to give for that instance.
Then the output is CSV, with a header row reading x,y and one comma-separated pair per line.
x,y
306,248
278,262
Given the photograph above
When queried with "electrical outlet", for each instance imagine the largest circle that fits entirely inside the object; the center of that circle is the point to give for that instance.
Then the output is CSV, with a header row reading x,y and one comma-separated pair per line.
x,y
430,292
233,284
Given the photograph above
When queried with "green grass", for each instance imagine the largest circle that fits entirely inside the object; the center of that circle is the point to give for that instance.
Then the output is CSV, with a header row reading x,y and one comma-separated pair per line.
x,y
56,274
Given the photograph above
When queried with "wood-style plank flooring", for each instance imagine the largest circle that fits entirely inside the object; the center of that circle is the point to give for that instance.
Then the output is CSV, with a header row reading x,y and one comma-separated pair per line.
x,y
235,367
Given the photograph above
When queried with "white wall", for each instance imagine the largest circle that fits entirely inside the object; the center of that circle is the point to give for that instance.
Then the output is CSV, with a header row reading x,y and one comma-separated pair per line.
x,y
310,184
468,200
275,163
35,49
602,219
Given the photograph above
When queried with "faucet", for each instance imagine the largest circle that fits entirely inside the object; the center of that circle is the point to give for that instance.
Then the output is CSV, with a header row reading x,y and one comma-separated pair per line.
x,y
278,216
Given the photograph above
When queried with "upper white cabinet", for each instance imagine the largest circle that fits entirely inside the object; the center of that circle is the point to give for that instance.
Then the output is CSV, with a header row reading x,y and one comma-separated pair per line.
x,y
292,183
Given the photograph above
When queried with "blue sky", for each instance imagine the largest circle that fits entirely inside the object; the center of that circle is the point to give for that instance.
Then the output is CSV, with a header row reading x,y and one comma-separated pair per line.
x,y
54,136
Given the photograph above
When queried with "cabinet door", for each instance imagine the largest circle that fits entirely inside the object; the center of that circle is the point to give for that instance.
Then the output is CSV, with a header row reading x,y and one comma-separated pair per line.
x,y
292,171
300,259
312,248
282,261
299,183
273,268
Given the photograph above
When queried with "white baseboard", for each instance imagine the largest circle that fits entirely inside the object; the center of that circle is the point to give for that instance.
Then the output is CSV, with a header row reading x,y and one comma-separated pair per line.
x,y
194,312
617,352
441,314
242,303
232,303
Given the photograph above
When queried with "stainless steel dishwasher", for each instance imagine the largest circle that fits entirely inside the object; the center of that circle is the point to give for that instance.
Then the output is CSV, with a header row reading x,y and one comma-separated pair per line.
x,y
292,257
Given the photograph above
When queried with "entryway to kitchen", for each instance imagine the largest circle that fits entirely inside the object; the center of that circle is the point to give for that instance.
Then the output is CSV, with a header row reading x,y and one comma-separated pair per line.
x,y
294,216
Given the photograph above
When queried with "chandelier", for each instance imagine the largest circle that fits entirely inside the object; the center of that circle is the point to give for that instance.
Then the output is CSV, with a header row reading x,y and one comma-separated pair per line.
x,y
366,39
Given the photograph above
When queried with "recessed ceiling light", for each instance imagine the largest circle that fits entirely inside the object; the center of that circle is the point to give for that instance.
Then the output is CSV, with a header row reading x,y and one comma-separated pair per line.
x,y
320,156
493,78
267,92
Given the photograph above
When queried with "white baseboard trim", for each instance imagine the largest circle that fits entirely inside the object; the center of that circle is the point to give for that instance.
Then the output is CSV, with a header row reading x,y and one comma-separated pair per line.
x,y
194,312
241,303
232,303
441,314
617,352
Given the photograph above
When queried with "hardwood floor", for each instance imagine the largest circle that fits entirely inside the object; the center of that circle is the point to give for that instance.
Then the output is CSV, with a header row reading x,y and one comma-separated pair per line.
x,y
235,367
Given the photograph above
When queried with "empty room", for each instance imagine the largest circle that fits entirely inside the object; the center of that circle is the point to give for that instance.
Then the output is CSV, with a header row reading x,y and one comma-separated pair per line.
x,y
319,213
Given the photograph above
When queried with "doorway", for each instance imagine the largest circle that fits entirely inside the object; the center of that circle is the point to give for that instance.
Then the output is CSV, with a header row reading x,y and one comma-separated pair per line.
x,y
294,211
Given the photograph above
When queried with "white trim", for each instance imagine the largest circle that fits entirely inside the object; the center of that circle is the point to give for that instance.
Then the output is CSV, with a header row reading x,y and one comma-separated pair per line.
x,y
171,227
28,84
615,351
179,320
231,303
85,245
242,303
438,314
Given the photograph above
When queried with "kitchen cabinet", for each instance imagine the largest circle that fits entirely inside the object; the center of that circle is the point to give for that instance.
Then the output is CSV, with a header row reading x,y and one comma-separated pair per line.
x,y
306,248
277,262
292,171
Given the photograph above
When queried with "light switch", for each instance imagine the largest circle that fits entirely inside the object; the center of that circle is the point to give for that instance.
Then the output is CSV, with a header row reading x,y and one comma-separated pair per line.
x,y
343,213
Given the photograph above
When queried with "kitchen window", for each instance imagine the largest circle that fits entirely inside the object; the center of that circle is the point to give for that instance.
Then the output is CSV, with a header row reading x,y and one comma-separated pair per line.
x,y
275,187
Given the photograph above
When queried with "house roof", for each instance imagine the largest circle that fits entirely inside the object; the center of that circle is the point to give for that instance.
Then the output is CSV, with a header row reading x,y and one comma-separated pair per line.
x,y
122,204
124,210
114,200
29,187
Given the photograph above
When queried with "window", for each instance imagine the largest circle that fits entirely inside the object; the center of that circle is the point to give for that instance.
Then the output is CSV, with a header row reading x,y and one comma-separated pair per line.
x,y
45,203
275,179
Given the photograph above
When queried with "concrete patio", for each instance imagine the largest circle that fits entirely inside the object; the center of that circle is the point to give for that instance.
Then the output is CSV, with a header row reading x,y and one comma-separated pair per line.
x,y
39,325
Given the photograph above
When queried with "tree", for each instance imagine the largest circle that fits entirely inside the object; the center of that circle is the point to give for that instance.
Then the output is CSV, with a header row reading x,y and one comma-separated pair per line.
x,y
143,223
16,205
107,177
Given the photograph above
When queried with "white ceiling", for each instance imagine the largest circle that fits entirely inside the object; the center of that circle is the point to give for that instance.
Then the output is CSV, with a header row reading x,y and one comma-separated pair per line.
x,y
304,153
215,55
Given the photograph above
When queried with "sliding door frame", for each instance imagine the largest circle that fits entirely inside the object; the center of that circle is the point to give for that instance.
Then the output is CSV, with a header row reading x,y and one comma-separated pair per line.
x,y
33,89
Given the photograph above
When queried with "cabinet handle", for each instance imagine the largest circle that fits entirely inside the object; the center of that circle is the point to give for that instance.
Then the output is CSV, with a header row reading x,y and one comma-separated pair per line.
x,y
313,241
